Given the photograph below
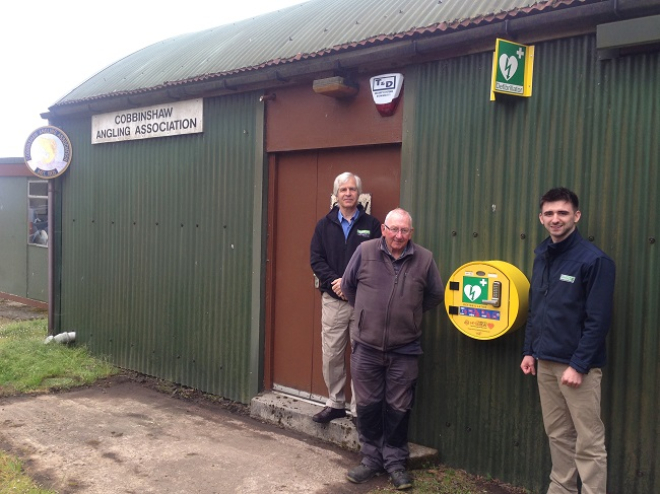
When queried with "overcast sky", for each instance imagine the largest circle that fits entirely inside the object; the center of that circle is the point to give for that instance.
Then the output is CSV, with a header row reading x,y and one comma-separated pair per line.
x,y
49,48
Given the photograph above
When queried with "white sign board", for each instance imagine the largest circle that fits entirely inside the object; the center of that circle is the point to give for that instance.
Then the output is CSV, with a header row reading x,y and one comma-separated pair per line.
x,y
182,117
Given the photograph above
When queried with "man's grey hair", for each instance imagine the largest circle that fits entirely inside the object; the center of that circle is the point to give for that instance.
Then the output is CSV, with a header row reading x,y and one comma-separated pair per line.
x,y
399,212
345,177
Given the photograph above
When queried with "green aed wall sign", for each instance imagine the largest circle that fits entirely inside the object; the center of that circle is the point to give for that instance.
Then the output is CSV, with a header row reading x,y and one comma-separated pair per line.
x,y
513,65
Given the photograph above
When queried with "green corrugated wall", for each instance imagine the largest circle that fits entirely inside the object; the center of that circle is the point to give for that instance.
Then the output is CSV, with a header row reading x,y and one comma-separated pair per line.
x,y
472,173
157,249
13,235
23,267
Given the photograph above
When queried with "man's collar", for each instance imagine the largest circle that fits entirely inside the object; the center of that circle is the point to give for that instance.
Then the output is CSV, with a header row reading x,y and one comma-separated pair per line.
x,y
352,218
408,249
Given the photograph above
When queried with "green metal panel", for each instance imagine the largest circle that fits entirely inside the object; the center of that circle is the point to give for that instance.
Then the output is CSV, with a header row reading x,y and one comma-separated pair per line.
x,y
13,235
631,32
473,171
37,273
157,249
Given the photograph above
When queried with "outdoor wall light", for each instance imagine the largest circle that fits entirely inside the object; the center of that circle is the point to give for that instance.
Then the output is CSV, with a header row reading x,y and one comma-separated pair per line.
x,y
336,87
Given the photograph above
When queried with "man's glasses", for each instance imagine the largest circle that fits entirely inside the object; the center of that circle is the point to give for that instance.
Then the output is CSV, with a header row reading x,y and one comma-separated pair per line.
x,y
396,231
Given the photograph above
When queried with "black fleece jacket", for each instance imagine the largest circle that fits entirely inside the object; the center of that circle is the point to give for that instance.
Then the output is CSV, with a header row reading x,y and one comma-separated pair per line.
x,y
330,252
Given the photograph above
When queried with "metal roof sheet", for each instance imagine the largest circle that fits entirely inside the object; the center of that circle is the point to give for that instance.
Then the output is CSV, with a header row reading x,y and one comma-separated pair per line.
x,y
310,29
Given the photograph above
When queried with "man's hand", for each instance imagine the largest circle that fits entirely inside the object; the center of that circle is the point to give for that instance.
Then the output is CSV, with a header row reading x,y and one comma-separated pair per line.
x,y
528,365
336,287
571,378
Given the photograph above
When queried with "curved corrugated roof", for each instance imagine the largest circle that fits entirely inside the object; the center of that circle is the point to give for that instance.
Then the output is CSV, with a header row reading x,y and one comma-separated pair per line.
x,y
311,29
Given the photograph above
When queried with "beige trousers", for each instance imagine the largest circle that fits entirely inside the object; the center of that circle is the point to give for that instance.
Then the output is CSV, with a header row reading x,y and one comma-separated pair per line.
x,y
335,318
571,417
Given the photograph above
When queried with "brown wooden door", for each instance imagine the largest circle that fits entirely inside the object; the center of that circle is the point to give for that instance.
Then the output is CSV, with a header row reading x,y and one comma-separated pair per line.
x,y
302,186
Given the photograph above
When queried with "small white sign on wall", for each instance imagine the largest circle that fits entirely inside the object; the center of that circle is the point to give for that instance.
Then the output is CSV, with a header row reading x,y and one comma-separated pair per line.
x,y
182,117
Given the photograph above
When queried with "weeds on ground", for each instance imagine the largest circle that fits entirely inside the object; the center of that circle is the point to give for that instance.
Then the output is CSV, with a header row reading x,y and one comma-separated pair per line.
x,y
443,480
28,365
14,480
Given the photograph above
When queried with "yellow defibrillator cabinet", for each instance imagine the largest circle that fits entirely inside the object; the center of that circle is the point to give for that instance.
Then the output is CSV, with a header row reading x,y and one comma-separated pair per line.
x,y
487,299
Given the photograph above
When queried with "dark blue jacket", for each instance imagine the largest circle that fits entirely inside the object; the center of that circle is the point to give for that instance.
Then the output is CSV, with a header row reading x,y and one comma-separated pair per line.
x,y
330,251
570,303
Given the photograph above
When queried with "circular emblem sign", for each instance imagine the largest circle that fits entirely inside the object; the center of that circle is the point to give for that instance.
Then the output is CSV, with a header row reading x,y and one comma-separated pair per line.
x,y
47,152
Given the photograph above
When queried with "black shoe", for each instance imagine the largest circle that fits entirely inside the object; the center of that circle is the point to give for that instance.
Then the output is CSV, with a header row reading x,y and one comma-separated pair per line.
x,y
362,473
328,414
401,480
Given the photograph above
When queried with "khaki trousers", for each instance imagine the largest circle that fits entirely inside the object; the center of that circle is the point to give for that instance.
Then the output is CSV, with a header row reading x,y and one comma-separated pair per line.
x,y
335,318
571,417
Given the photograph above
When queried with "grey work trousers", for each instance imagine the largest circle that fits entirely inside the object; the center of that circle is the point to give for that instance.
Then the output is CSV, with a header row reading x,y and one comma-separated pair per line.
x,y
384,384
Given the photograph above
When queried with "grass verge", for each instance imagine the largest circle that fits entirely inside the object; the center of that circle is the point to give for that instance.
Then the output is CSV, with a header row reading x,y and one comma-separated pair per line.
x,y
29,366
13,479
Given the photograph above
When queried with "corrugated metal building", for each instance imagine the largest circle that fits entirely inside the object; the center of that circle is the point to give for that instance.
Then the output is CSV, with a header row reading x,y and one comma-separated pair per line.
x,y
23,234
186,257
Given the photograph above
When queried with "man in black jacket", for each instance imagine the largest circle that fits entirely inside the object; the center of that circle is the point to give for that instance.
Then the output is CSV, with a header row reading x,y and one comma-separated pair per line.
x,y
336,237
570,309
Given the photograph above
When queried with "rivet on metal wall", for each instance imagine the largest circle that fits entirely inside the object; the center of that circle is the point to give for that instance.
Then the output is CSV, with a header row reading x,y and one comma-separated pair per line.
x,y
523,236
651,240
475,234
453,233
591,238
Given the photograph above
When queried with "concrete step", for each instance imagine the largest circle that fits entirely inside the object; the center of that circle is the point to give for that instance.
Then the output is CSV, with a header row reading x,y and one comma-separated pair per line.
x,y
294,414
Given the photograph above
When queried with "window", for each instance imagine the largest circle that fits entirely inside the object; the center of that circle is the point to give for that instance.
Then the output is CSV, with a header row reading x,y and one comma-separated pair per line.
x,y
38,212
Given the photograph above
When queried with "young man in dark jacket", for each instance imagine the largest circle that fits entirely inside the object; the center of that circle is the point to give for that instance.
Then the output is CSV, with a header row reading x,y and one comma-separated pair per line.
x,y
570,308
336,237
390,282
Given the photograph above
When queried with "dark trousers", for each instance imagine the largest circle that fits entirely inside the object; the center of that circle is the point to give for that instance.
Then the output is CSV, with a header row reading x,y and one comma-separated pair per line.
x,y
384,385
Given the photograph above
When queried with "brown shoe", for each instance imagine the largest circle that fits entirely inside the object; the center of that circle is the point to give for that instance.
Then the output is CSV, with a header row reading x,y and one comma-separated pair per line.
x,y
328,414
